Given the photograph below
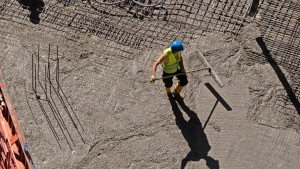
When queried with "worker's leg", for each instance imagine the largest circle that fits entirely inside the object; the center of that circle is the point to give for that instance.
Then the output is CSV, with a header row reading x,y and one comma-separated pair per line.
x,y
182,82
168,82
168,90
178,88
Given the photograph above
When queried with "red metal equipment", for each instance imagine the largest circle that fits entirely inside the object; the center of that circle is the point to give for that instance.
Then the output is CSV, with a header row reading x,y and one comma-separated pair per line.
x,y
12,153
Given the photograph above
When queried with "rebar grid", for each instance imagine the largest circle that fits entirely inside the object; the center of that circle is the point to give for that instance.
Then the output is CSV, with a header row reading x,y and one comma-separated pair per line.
x,y
137,24
50,95
280,25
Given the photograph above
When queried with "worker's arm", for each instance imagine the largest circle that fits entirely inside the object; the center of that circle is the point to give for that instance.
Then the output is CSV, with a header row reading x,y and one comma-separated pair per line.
x,y
154,67
181,65
155,64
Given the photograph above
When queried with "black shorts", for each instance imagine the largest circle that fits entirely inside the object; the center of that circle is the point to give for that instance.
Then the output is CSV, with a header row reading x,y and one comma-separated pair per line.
x,y
169,81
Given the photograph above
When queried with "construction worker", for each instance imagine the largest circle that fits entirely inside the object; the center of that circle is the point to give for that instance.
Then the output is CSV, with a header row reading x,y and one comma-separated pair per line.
x,y
172,64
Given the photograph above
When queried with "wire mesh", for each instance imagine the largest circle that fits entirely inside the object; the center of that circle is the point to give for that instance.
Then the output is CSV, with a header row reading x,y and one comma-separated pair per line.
x,y
281,32
138,24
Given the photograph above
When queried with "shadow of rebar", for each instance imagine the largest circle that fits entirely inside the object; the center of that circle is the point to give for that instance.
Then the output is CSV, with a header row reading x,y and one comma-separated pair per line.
x,y
63,98
28,103
49,122
194,134
48,86
292,96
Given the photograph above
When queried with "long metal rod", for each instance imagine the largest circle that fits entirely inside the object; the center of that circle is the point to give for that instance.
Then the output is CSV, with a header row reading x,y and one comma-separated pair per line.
x,y
57,68
64,105
47,117
50,91
56,118
48,86
38,69
53,105
45,81
60,89
32,75
35,78
38,99
60,118
191,71
41,85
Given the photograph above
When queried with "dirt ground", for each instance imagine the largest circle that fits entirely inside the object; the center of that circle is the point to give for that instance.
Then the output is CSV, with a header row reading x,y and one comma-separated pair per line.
x,y
128,122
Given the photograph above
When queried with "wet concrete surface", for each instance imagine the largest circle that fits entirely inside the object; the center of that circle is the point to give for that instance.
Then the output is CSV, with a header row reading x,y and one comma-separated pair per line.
x,y
129,123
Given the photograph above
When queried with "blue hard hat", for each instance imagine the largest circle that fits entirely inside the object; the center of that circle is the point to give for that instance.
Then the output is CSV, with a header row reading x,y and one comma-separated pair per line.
x,y
177,46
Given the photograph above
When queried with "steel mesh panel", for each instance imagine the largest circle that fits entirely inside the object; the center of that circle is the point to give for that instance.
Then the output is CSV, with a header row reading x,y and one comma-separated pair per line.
x,y
138,25
281,32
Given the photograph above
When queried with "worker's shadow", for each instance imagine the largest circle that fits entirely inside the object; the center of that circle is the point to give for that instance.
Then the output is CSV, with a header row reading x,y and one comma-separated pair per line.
x,y
35,7
194,134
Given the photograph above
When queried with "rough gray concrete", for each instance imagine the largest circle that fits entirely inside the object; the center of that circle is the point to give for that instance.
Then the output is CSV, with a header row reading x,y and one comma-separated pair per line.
x,y
130,123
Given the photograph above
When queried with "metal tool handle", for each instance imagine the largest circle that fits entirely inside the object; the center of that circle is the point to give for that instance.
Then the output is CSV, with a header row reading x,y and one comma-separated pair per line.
x,y
191,71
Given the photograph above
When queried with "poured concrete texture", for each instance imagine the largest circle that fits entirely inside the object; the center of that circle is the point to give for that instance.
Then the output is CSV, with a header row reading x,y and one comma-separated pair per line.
x,y
129,123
